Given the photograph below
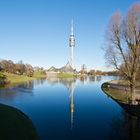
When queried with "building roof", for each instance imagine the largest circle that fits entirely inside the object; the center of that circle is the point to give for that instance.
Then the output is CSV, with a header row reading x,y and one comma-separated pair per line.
x,y
52,69
66,68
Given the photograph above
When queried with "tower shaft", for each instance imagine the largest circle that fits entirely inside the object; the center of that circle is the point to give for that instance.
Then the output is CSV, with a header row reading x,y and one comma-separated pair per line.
x,y
72,57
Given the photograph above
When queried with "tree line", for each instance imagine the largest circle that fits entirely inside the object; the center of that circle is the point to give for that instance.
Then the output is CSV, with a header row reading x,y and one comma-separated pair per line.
x,y
19,68
93,72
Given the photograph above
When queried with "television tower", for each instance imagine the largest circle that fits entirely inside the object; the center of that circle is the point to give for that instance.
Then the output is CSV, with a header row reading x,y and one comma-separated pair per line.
x,y
72,44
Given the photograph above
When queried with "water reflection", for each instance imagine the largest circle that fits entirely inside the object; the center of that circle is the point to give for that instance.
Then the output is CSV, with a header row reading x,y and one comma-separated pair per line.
x,y
92,78
127,127
20,89
83,79
95,78
98,78
72,87
73,109
70,84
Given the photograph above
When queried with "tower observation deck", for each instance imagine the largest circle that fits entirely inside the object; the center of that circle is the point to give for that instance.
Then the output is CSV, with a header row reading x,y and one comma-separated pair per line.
x,y
72,45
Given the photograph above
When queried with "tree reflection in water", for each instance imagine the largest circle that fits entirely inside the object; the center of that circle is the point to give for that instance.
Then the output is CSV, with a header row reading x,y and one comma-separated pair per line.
x,y
127,127
16,91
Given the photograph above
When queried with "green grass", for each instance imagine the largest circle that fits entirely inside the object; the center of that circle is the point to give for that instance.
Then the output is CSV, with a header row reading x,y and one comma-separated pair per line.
x,y
16,79
15,125
121,96
66,75
3,79
123,82
39,74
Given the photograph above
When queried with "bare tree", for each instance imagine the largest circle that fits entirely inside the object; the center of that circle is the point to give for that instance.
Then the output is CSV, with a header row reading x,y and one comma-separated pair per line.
x,y
123,51
7,66
92,72
20,68
83,69
29,70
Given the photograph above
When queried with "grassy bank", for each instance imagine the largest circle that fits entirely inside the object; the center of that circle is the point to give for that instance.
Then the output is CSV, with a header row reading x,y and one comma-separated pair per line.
x,y
14,79
2,79
123,82
14,125
116,94
66,75
39,74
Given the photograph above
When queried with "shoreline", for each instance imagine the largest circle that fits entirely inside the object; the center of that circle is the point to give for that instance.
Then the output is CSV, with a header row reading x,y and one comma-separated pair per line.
x,y
120,92
13,79
120,85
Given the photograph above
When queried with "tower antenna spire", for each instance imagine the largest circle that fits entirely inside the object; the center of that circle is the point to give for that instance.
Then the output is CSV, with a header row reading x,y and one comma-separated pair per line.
x,y
72,27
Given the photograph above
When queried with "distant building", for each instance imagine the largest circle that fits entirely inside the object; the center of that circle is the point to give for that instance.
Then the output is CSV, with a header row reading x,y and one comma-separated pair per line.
x,y
52,72
53,69
67,68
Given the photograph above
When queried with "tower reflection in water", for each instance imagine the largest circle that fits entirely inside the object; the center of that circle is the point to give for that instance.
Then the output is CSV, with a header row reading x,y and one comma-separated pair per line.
x,y
70,84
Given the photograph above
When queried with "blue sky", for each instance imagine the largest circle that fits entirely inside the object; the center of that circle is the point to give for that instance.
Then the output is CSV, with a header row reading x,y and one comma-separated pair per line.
x,y
37,31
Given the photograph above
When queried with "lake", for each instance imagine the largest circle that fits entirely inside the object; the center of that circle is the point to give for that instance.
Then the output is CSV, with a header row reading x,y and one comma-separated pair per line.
x,y
72,109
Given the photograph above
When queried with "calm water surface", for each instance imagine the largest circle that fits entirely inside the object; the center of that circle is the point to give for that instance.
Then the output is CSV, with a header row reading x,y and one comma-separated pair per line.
x,y
72,109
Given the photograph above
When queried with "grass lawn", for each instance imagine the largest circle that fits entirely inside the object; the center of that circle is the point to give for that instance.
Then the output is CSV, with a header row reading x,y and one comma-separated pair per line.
x,y
15,125
39,74
121,96
66,75
16,79
123,82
